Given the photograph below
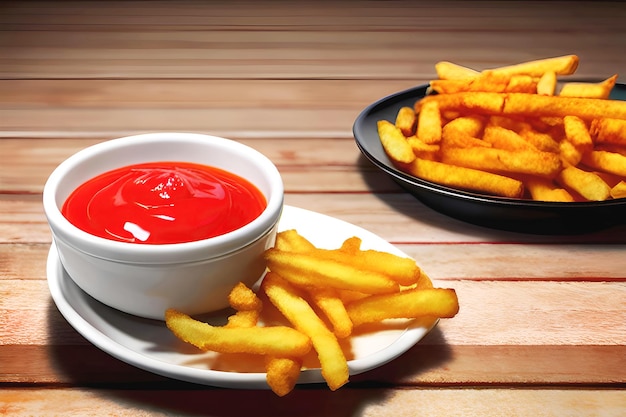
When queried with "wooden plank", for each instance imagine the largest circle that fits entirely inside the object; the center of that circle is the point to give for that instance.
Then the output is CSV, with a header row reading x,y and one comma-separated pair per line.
x,y
255,54
202,93
421,367
400,15
371,402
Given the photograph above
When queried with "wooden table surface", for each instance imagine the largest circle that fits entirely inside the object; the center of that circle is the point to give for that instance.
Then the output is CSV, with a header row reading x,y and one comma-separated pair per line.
x,y
542,325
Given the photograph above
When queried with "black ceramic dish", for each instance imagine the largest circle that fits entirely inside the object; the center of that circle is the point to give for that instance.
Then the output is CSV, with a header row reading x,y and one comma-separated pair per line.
x,y
495,212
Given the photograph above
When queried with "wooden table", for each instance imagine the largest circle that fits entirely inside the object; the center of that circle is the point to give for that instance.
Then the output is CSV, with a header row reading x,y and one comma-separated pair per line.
x,y
542,326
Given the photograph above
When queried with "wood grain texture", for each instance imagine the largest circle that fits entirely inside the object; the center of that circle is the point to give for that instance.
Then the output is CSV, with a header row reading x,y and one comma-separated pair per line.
x,y
360,402
541,330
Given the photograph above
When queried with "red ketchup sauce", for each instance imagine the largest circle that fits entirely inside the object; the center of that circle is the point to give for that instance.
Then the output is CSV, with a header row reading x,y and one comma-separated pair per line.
x,y
163,202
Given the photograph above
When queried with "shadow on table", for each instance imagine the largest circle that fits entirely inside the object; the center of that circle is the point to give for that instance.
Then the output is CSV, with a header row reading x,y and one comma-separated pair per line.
x,y
79,364
401,201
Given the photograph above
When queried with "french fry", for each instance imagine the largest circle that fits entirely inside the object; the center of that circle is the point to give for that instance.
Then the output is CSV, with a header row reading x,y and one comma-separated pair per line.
x,y
435,302
308,270
291,240
610,162
394,142
282,374
242,298
466,102
561,65
450,71
429,124
608,130
619,190
542,189
569,154
542,141
422,149
587,184
247,305
300,314
539,163
466,178
600,90
546,85
494,82
522,104
521,84
281,341
331,304
406,120
527,105
471,126
502,138
577,134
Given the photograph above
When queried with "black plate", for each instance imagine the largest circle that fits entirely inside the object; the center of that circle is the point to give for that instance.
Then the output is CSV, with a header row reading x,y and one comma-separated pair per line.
x,y
495,212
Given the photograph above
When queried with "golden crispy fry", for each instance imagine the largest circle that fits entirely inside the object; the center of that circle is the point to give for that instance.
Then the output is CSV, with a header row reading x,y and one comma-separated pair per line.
x,y
561,65
539,163
429,124
542,141
395,143
601,89
530,105
247,305
546,85
577,134
466,178
587,184
499,83
586,108
435,302
243,298
282,374
542,189
471,126
569,154
422,149
276,341
610,162
619,190
608,130
243,318
502,138
309,270
521,84
451,71
400,269
406,120
351,245
300,314
291,240
330,303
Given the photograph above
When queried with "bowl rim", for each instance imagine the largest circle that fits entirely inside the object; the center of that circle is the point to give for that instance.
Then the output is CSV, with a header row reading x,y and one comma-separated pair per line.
x,y
217,246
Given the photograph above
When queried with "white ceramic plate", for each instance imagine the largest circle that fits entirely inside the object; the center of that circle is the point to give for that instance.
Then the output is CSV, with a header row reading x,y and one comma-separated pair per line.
x,y
149,345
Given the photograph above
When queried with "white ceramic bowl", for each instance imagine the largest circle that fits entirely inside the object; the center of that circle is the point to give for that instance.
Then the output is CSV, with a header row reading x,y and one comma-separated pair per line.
x,y
145,280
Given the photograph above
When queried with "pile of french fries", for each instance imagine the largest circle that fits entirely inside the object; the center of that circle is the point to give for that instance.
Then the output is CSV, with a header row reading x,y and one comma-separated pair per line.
x,y
324,294
519,131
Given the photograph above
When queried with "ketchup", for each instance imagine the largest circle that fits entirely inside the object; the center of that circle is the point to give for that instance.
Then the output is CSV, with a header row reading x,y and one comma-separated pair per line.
x,y
163,202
